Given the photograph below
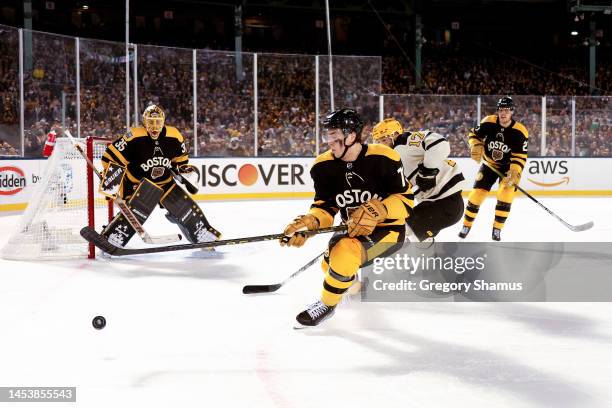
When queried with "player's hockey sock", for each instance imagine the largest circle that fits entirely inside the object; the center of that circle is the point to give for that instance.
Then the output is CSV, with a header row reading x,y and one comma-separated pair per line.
x,y
476,197
344,261
471,211
502,210
334,286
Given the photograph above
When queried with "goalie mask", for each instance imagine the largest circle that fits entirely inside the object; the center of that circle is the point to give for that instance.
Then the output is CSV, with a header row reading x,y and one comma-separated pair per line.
x,y
387,129
153,120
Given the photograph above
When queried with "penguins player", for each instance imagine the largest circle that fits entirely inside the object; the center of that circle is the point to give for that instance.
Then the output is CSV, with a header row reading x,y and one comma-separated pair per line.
x,y
144,160
502,143
366,185
438,180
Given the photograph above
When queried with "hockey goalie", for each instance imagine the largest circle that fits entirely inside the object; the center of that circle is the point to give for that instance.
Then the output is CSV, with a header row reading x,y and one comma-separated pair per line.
x,y
142,167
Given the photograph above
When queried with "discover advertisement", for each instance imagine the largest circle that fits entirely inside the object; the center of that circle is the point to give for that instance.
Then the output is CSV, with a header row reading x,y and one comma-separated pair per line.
x,y
285,178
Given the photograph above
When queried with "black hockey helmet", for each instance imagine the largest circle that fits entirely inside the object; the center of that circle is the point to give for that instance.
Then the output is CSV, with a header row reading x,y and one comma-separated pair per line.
x,y
347,120
505,102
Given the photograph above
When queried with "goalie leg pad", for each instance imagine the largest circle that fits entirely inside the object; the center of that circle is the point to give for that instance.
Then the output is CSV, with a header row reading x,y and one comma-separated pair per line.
x,y
145,199
188,215
142,204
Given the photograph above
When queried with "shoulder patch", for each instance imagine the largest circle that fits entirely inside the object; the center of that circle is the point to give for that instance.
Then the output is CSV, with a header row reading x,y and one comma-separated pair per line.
x,y
136,132
489,119
328,155
382,150
519,126
171,131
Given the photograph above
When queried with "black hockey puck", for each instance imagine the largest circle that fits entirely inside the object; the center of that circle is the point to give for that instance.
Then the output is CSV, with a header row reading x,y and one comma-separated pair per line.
x,y
98,322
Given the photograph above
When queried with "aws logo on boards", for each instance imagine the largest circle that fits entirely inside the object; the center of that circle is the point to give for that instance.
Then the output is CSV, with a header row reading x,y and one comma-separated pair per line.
x,y
549,167
12,180
248,174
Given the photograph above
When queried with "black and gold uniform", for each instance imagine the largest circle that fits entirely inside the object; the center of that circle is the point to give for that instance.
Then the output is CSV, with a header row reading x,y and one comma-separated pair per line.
x,y
149,155
502,148
371,189
145,157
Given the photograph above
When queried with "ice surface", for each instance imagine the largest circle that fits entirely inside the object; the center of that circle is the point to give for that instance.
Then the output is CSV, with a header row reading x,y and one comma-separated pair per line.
x,y
180,333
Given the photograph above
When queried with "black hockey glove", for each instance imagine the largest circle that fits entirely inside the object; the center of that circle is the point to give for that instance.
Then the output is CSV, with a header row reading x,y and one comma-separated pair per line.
x,y
426,178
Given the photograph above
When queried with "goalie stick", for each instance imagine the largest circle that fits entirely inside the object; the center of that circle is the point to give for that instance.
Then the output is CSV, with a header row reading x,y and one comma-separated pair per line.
x,y
101,242
575,228
123,207
250,289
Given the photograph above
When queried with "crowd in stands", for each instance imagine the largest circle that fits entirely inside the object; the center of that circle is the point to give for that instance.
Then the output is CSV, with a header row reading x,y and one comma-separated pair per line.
x,y
593,127
9,92
102,75
225,80
286,103
453,75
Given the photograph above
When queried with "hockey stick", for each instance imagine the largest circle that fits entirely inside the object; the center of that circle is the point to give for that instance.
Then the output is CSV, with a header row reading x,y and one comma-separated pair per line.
x,y
249,289
101,242
123,207
575,228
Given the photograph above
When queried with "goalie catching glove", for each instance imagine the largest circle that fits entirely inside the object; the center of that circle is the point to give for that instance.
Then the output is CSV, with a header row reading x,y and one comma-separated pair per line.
x,y
294,235
365,218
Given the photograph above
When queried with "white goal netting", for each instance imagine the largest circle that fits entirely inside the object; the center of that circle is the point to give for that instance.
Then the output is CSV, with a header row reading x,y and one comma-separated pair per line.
x,y
64,201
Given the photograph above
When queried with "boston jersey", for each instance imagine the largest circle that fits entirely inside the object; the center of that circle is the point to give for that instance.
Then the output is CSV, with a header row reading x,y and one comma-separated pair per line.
x,y
502,146
432,150
343,186
144,157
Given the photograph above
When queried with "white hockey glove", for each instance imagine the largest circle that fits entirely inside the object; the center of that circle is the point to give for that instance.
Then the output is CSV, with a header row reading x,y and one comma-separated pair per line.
x,y
192,175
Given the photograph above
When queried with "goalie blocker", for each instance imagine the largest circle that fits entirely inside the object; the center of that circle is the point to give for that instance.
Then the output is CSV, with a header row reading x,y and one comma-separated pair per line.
x,y
182,210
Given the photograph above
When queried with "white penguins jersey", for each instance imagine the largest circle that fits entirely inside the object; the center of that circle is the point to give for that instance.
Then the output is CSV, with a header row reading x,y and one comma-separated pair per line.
x,y
432,150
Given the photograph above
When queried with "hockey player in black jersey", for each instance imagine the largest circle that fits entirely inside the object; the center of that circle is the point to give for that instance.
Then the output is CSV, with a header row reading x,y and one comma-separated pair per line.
x,y
502,143
366,185
438,180
146,158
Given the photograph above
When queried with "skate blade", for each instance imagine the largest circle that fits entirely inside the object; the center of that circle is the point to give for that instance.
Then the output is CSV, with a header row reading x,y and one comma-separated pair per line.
x,y
207,255
300,326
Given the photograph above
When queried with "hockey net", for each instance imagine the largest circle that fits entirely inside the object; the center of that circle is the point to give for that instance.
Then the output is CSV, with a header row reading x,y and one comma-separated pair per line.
x,y
63,202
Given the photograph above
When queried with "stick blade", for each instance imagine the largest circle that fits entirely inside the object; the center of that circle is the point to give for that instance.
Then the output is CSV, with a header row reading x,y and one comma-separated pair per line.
x,y
250,289
583,227
98,240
